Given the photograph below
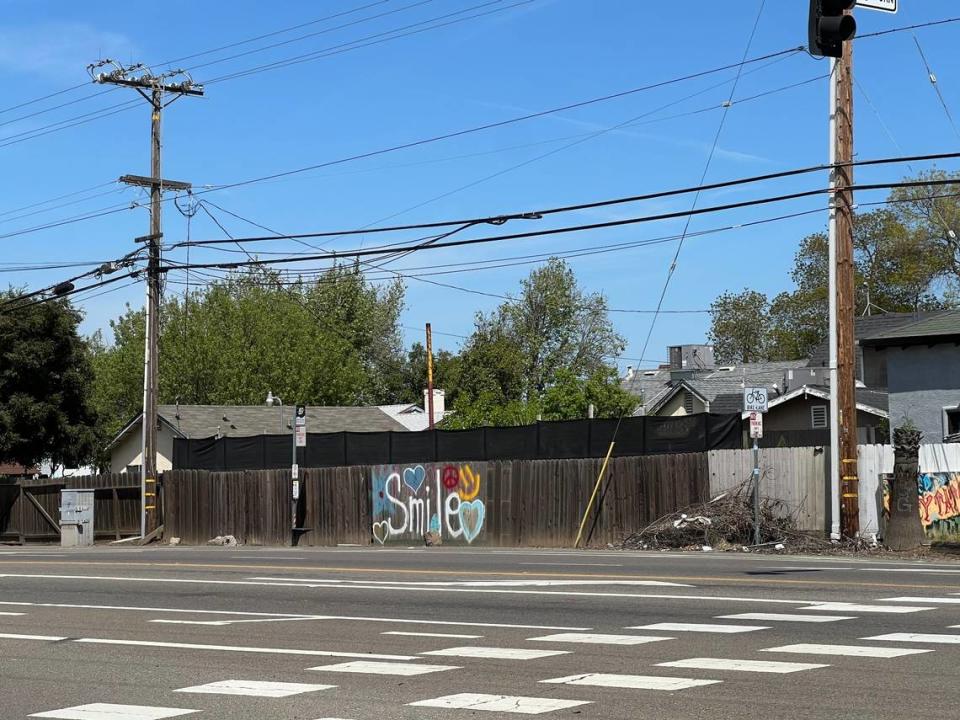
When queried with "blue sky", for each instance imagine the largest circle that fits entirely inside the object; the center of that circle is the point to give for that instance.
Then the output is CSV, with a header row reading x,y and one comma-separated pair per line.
x,y
515,60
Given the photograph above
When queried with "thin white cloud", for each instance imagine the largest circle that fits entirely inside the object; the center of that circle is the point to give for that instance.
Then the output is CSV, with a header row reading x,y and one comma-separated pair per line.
x,y
59,50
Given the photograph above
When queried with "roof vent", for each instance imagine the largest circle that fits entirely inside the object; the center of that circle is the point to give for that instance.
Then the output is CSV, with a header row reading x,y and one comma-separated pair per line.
x,y
649,373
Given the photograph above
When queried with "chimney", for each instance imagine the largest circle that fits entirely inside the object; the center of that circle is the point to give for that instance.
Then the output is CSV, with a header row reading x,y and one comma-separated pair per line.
x,y
629,375
439,403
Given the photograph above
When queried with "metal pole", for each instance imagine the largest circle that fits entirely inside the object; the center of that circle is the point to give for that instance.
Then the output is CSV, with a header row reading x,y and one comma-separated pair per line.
x,y
430,375
832,296
756,493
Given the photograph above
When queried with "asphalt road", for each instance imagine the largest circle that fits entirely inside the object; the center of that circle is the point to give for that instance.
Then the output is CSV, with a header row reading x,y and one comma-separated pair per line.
x,y
358,634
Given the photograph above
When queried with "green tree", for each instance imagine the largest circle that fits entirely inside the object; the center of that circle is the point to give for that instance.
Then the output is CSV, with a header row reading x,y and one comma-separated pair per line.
x,y
446,369
330,341
932,217
45,380
740,327
552,335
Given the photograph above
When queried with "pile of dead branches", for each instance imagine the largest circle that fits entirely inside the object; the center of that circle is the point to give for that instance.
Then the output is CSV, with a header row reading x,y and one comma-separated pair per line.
x,y
724,523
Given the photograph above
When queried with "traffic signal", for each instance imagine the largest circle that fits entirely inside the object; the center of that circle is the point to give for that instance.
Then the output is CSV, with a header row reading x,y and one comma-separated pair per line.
x,y
830,26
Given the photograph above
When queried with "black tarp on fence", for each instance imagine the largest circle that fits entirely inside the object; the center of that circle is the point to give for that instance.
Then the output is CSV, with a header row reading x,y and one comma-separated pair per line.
x,y
542,441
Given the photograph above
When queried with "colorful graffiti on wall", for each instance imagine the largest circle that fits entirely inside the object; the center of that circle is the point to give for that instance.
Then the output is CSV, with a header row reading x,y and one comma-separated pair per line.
x,y
444,499
940,500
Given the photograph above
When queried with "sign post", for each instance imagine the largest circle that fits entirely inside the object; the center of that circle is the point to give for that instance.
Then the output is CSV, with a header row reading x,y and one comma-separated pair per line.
x,y
755,402
299,440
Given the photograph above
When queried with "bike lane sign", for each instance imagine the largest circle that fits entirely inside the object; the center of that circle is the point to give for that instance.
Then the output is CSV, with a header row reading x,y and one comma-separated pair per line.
x,y
755,399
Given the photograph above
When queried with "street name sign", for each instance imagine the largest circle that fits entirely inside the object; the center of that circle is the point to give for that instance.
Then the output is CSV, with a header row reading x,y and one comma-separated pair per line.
x,y
889,6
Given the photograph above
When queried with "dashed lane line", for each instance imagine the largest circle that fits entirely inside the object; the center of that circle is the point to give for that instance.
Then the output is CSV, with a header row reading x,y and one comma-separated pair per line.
x,y
241,649
432,635
48,638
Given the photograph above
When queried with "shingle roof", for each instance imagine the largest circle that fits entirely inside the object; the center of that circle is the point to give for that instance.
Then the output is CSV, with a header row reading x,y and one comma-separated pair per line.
x,y
199,421
872,327
943,324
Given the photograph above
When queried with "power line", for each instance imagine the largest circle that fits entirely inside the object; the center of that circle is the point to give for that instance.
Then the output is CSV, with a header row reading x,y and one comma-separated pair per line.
x,y
936,86
426,244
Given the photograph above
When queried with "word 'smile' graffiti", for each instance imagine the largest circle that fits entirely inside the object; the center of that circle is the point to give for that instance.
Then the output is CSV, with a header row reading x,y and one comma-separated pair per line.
x,y
410,501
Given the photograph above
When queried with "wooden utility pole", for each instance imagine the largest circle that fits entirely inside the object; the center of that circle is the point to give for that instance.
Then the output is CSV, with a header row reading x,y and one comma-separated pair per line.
x,y
846,296
430,374
153,88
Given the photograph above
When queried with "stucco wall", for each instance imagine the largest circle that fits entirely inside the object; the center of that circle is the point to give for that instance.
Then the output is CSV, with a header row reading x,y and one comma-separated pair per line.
x,y
127,451
922,381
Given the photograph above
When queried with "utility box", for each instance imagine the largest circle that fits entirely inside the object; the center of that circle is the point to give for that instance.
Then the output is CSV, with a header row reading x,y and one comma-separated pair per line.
x,y
76,518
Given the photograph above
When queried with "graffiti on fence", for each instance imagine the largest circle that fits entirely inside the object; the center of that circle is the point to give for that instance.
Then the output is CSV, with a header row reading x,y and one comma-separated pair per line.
x,y
445,499
939,495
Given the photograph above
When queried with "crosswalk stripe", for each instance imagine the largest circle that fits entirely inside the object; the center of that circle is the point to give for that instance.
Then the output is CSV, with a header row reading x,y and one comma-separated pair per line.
x,y
918,637
937,600
384,668
599,639
760,666
495,653
786,617
254,688
849,650
700,627
499,703
240,648
432,635
853,607
108,711
632,682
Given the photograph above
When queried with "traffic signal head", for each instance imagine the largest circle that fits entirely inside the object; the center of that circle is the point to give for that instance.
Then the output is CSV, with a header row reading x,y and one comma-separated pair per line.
x,y
830,26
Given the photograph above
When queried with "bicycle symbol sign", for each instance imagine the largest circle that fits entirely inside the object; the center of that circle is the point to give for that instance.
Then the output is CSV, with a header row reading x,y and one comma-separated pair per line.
x,y
755,399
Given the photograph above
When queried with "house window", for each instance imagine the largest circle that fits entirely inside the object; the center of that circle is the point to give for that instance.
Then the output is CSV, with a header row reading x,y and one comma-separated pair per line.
x,y
688,402
951,420
818,417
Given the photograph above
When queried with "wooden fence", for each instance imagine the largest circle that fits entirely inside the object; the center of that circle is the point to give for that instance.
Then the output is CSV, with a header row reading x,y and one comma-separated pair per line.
x,y
796,477
528,502
254,506
30,509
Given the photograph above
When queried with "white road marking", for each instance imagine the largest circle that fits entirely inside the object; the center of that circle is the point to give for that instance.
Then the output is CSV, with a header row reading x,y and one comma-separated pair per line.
x,y
499,703
107,711
633,682
560,564
473,590
599,639
457,584
496,653
242,649
918,638
853,607
848,650
700,627
938,600
432,635
384,668
49,638
934,571
11,614
254,688
187,611
222,623
759,666
786,617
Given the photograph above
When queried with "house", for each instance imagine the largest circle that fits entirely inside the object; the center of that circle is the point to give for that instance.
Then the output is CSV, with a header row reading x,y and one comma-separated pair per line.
x,y
798,395
205,421
414,417
922,365
17,470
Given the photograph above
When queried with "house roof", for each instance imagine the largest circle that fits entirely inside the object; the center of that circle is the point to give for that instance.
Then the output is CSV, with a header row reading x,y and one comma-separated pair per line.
x,y
198,421
942,325
412,416
871,327
874,402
